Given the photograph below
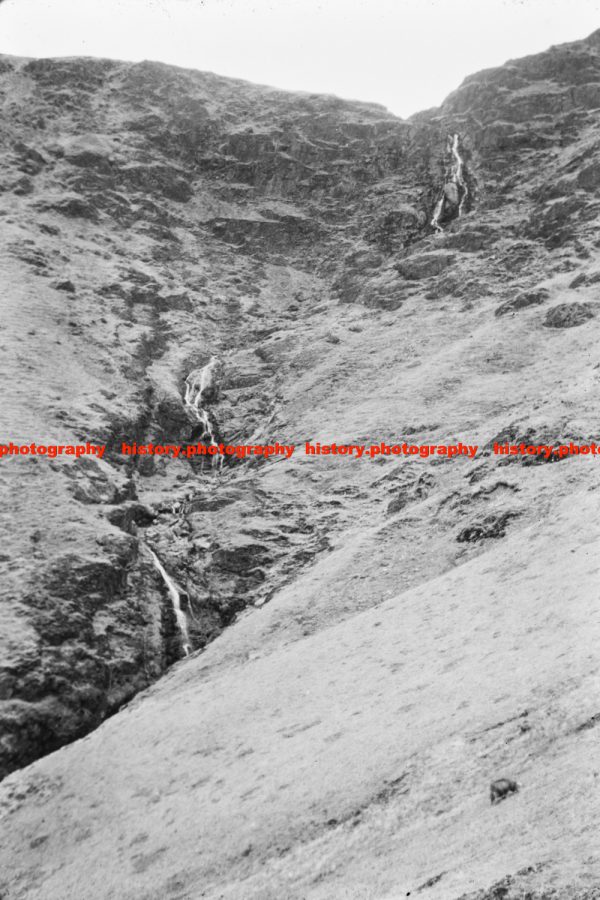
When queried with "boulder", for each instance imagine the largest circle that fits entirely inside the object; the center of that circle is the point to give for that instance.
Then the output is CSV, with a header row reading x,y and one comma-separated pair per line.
x,y
66,286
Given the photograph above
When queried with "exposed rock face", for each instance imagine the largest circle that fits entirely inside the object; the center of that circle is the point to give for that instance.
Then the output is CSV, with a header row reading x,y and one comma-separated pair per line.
x,y
412,608
567,315
423,265
523,301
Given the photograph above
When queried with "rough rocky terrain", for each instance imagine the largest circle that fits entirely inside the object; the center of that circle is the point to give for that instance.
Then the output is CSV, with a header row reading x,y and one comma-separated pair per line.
x,y
376,640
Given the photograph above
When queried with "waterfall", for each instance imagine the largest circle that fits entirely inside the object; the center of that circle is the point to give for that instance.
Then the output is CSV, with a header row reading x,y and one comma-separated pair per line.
x,y
197,384
198,381
455,190
439,209
458,174
175,602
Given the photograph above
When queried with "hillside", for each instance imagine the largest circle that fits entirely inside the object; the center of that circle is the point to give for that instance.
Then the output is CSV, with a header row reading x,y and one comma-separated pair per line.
x,y
373,640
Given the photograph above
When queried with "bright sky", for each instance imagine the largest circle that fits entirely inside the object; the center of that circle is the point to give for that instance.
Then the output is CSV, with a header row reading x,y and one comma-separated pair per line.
x,y
406,54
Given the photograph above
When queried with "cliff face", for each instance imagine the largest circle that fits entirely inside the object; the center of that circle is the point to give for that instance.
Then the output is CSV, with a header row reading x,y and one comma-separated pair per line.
x,y
425,625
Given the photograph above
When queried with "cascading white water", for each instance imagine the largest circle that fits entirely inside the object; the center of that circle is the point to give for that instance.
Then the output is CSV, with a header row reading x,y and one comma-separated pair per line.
x,y
176,603
439,208
455,179
198,382
458,174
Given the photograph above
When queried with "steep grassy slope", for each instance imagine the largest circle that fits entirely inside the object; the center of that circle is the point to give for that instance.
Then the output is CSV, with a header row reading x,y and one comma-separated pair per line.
x,y
425,625
353,762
